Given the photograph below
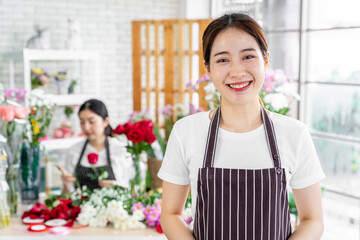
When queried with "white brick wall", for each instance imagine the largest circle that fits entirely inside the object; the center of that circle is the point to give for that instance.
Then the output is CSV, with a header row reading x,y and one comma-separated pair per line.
x,y
105,25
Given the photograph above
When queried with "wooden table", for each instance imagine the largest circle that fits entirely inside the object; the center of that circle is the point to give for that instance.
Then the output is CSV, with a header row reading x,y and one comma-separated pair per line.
x,y
18,231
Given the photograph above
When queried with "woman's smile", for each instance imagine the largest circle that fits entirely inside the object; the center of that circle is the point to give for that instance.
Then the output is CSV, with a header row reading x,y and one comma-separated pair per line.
x,y
239,86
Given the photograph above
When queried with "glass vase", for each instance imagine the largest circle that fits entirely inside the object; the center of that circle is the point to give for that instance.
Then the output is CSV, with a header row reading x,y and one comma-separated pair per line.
x,y
29,174
136,181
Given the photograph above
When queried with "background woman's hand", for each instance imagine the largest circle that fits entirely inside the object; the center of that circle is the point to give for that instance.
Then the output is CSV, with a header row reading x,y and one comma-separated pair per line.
x,y
66,177
106,183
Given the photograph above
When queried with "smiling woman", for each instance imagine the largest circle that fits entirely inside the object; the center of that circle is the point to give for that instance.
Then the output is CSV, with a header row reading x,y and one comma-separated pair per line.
x,y
239,158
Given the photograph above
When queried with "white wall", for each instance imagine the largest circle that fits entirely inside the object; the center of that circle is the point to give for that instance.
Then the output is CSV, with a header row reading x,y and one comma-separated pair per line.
x,y
105,25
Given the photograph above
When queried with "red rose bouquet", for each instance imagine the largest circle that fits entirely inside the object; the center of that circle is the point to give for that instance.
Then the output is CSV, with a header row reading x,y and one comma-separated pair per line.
x,y
140,135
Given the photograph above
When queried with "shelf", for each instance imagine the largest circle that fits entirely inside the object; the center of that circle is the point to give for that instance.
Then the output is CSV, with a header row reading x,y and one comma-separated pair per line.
x,y
71,99
59,55
60,143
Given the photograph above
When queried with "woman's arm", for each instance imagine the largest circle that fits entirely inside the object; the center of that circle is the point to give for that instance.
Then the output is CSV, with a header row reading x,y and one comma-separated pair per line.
x,y
308,204
173,202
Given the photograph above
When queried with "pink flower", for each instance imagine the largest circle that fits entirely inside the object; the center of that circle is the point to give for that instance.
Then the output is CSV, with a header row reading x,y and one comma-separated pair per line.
x,y
188,220
21,112
153,218
137,206
167,111
158,203
148,210
7,113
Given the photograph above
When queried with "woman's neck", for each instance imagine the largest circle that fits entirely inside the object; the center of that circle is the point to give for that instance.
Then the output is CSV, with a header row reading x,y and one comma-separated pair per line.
x,y
241,118
98,143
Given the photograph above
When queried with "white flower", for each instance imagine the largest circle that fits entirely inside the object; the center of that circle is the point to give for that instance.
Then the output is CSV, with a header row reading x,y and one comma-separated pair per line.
x,y
276,100
90,210
140,225
93,222
102,220
289,90
121,215
132,223
210,88
109,215
83,219
138,215
113,205
187,213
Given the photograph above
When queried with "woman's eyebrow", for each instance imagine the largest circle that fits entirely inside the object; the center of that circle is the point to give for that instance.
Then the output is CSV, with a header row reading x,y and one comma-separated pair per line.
x,y
243,50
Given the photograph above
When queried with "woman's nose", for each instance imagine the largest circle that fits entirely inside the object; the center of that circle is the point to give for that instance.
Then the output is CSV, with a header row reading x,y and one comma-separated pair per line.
x,y
237,70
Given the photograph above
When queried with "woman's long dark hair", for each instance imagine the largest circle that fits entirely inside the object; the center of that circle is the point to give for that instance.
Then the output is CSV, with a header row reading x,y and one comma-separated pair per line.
x,y
99,108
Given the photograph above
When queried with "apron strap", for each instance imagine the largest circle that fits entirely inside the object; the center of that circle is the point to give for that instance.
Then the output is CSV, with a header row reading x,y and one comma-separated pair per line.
x,y
81,154
213,134
111,172
271,138
212,139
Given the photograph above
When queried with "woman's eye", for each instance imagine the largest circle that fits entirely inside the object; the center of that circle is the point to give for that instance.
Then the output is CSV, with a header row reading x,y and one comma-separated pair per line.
x,y
249,57
222,60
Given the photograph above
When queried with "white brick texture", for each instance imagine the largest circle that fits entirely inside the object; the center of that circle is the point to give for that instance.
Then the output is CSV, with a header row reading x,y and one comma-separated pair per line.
x,y
105,25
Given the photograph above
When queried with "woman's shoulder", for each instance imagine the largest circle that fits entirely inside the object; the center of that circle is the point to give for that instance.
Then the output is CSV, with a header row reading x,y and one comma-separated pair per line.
x,y
193,121
288,124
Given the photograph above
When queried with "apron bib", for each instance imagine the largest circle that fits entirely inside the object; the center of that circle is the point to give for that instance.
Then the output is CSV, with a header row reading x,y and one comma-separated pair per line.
x,y
241,203
82,172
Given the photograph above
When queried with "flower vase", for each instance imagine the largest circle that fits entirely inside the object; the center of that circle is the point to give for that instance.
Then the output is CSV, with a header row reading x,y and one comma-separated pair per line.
x,y
29,174
136,182
13,194
14,133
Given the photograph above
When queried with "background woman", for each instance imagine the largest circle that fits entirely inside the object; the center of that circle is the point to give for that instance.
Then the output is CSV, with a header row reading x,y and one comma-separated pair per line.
x,y
112,154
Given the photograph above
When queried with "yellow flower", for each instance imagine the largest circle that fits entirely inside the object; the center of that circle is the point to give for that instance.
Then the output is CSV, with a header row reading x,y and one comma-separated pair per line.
x,y
35,126
37,71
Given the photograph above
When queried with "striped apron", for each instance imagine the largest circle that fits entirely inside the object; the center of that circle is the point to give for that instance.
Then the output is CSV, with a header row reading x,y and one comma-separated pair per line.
x,y
241,203
82,172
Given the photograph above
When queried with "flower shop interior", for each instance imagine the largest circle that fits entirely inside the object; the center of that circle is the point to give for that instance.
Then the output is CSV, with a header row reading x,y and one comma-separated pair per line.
x,y
143,59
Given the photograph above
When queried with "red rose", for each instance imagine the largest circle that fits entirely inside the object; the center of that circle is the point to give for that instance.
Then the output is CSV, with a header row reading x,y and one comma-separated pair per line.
x,y
146,126
127,127
159,229
45,214
120,129
93,158
75,212
150,137
135,134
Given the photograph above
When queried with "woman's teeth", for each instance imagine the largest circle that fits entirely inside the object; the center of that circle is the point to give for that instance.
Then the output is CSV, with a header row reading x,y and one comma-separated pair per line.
x,y
239,85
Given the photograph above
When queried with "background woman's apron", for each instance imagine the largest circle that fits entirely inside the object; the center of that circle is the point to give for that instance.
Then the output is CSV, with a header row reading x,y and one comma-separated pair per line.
x,y
82,172
241,203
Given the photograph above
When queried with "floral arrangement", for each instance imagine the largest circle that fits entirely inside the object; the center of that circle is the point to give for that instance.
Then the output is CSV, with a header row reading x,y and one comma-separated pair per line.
x,y
140,135
108,205
12,126
41,112
38,78
64,131
65,207
277,91
212,95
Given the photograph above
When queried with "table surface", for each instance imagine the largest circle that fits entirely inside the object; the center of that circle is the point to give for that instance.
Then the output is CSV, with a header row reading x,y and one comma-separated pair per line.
x,y
17,230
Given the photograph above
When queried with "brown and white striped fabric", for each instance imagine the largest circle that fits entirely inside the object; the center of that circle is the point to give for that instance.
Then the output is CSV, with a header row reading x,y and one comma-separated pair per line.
x,y
82,172
241,203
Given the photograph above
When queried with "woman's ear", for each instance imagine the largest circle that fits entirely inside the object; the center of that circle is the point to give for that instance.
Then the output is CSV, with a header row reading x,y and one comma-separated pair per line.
x,y
106,121
207,69
267,60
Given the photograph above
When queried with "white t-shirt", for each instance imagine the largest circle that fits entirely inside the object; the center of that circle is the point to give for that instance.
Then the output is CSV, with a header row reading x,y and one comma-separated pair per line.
x,y
121,161
186,147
